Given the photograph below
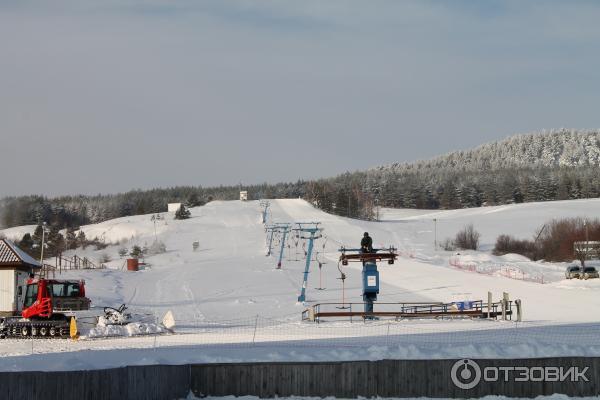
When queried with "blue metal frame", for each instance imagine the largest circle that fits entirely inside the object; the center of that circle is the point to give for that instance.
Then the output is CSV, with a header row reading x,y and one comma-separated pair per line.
x,y
313,229
271,231
370,285
282,228
285,229
265,204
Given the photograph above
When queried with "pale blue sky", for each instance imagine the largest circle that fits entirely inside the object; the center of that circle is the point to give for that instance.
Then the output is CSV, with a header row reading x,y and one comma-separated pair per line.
x,y
106,96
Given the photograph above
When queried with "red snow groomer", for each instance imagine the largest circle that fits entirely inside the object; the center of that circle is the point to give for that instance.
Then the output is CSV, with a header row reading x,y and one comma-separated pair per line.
x,y
47,307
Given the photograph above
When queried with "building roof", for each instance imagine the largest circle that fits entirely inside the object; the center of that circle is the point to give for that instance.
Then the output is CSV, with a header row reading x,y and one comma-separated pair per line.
x,y
10,255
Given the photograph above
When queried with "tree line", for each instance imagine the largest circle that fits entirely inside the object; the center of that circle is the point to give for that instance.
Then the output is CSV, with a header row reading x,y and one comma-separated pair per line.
x,y
558,165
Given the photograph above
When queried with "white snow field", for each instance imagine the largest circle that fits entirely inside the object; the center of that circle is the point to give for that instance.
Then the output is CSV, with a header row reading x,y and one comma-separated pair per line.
x,y
231,304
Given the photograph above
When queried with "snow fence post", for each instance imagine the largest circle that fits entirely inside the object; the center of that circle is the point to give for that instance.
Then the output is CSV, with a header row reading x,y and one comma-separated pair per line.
x,y
255,326
489,305
519,310
387,335
504,304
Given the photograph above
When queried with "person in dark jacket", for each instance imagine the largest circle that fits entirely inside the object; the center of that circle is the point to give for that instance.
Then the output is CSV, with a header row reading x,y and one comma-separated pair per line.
x,y
366,244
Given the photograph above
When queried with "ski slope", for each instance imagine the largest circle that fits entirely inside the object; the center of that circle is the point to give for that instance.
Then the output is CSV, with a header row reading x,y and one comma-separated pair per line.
x,y
229,279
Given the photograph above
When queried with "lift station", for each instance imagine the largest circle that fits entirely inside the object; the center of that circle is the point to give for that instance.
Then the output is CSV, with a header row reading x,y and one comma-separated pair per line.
x,y
370,275
370,289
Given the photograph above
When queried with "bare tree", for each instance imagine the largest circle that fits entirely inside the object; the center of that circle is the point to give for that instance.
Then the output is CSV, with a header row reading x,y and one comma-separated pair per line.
x,y
467,238
581,251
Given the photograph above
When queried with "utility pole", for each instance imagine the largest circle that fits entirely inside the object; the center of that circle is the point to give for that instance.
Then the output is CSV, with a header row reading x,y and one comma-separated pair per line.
x,y
154,218
43,239
435,233
587,243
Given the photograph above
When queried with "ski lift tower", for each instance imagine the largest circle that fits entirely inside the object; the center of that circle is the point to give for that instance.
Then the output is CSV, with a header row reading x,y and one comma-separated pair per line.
x,y
370,274
284,229
276,228
264,205
313,232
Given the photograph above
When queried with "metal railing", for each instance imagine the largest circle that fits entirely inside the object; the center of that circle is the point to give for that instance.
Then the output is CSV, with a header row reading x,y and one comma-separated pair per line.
x,y
397,311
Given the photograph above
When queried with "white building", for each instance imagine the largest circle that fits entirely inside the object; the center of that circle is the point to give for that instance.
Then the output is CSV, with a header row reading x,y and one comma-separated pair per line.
x,y
15,267
173,207
243,195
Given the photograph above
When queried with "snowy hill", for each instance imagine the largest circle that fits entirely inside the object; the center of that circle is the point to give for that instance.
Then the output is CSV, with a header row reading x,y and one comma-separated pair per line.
x,y
230,274
559,148
228,281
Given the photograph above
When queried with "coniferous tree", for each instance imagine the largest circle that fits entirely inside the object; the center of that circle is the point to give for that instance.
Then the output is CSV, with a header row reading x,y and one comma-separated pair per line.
x,y
26,243
182,213
70,239
81,239
556,165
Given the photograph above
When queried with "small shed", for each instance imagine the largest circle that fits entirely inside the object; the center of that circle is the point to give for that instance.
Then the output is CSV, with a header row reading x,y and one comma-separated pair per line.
x,y
15,267
244,195
173,207
590,249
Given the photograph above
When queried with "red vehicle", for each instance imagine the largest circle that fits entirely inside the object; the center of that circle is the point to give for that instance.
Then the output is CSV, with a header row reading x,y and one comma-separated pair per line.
x,y
47,308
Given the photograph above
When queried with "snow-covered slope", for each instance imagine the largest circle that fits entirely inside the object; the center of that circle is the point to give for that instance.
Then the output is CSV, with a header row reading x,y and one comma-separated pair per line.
x,y
229,277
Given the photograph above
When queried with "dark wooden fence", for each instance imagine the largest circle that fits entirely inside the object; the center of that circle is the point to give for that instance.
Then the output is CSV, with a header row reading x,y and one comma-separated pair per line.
x,y
139,382
385,378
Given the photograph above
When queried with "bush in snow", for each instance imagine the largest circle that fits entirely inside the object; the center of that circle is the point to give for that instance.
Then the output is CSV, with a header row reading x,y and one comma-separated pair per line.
x,y
467,238
506,244
157,247
104,258
100,245
123,252
448,245
556,240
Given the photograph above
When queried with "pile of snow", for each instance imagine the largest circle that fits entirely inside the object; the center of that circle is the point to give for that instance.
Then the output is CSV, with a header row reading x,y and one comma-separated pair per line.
x,y
512,266
131,329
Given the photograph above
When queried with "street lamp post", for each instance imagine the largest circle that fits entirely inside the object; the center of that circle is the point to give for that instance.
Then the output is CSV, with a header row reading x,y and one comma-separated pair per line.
x,y
154,218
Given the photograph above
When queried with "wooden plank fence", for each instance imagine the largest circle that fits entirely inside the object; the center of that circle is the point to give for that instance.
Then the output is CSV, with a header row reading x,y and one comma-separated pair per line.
x,y
388,378
136,382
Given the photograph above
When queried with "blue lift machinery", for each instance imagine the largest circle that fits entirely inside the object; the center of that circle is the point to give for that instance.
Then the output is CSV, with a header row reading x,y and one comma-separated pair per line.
x,y
311,232
370,275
